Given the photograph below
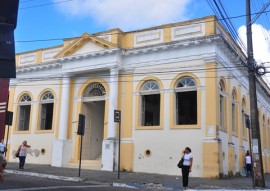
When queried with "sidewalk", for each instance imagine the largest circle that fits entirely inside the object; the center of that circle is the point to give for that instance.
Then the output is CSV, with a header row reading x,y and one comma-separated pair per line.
x,y
138,180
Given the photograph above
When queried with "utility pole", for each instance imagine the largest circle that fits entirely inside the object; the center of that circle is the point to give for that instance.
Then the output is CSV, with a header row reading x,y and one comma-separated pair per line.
x,y
258,174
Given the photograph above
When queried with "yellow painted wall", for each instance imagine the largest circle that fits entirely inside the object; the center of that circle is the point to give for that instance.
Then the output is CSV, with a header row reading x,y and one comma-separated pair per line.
x,y
239,119
211,168
229,113
264,162
242,154
126,157
167,35
210,25
231,160
10,108
211,96
128,40
127,107
70,112
59,109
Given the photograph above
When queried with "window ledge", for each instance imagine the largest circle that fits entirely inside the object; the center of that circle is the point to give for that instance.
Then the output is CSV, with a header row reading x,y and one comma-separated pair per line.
x,y
43,131
21,132
149,127
185,127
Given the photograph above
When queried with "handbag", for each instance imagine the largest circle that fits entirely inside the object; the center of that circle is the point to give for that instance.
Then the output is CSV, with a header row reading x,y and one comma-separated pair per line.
x,y
180,163
17,154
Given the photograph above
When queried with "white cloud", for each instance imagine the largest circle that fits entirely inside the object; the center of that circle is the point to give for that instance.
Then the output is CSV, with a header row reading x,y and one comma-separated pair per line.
x,y
261,45
260,40
127,14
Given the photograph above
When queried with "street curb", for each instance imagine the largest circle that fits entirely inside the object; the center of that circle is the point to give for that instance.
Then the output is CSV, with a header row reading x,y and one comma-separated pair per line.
x,y
48,176
142,186
124,185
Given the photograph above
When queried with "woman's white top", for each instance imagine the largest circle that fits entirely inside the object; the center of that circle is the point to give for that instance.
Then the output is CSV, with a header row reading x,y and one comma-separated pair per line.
x,y
2,147
248,159
187,158
22,151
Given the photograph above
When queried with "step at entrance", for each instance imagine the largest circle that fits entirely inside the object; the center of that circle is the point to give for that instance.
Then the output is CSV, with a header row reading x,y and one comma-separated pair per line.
x,y
86,164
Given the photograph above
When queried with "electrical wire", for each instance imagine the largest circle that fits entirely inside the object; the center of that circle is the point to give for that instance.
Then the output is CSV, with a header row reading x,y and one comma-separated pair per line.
x,y
26,1
136,75
135,31
47,4
219,10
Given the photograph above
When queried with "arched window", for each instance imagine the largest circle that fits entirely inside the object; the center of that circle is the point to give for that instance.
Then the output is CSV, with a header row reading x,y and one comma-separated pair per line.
x,y
150,104
221,105
94,89
234,113
24,113
46,111
186,101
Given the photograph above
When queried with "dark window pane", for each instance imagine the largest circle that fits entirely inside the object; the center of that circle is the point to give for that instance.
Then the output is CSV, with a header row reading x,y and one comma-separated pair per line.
x,y
24,117
150,110
46,116
186,108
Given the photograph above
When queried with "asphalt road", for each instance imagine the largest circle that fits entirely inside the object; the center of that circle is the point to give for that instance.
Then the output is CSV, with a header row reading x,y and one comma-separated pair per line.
x,y
14,182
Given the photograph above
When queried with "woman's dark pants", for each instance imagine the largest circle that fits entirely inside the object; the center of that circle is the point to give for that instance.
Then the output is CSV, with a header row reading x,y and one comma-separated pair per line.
x,y
22,161
185,173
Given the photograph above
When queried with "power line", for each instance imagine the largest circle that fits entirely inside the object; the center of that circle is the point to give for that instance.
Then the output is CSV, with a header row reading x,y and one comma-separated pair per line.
x,y
138,74
221,13
140,30
118,81
47,4
26,1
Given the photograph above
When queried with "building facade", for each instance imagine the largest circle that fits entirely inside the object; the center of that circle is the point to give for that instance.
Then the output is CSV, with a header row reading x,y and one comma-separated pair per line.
x,y
177,85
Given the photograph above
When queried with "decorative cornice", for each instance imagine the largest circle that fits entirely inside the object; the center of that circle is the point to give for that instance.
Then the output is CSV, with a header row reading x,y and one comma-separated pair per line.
x,y
175,44
36,67
88,55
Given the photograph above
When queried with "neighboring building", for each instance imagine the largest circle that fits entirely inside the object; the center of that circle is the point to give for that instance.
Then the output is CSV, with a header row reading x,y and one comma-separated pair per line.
x,y
4,87
177,85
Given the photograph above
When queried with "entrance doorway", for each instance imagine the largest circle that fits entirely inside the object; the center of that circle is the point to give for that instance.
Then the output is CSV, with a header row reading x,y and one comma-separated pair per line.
x,y
94,129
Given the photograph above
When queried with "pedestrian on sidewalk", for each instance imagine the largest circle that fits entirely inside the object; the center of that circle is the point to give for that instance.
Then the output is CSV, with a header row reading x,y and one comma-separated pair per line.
x,y
2,147
187,166
248,164
3,164
22,150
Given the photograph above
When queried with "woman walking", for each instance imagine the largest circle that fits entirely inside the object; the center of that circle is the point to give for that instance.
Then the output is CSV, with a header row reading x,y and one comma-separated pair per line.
x,y
22,154
187,166
2,147
248,164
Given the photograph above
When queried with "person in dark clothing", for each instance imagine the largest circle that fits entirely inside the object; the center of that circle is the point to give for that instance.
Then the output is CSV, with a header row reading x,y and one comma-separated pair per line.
x,y
248,162
187,166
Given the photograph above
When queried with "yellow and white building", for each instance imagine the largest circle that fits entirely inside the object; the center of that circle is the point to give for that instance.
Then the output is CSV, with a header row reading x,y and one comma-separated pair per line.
x,y
177,85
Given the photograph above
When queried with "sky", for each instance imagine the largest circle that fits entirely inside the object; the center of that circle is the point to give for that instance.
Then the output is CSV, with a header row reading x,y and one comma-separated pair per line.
x,y
45,23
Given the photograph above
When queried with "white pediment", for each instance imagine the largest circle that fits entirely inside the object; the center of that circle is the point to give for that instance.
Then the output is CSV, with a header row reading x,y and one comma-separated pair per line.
x,y
88,47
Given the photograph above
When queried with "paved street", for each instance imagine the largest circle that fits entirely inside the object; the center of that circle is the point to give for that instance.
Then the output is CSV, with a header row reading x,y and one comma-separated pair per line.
x,y
45,177
15,182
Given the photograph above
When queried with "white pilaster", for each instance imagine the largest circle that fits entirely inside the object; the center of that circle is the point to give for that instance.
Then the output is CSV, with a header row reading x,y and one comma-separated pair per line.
x,y
113,102
108,145
62,147
64,108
